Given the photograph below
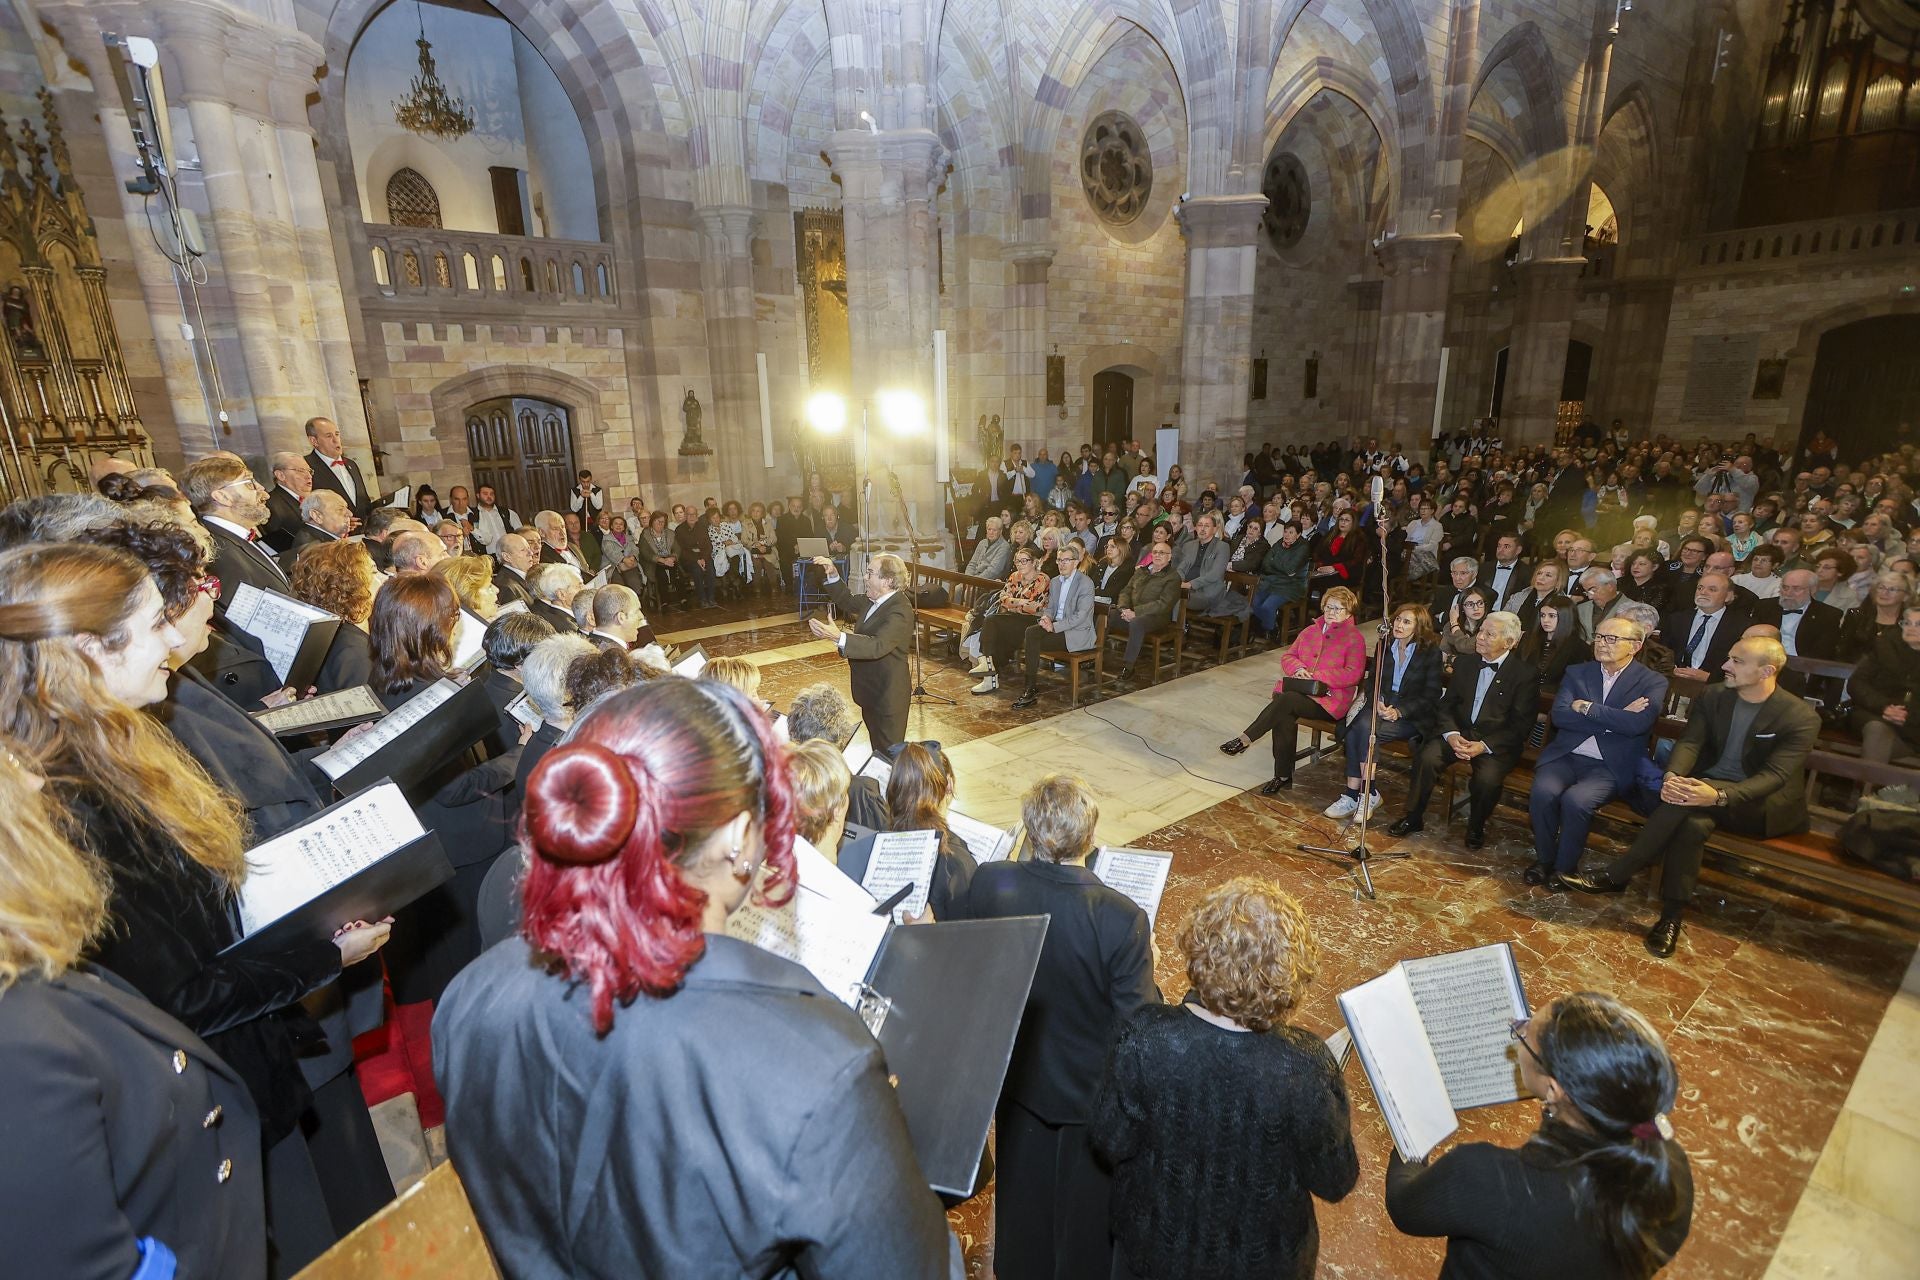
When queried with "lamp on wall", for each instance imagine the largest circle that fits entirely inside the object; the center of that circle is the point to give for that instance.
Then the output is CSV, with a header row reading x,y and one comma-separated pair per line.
x,y
428,108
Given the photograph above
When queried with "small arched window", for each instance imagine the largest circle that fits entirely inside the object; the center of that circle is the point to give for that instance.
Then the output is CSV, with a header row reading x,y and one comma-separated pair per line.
x,y
412,201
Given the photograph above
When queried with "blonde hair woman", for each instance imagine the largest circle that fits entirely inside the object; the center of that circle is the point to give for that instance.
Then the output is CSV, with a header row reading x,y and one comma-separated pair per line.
x,y
471,578
738,672
821,783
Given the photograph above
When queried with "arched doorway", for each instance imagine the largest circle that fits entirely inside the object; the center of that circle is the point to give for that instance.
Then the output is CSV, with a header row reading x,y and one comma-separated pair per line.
x,y
1112,408
1866,384
524,448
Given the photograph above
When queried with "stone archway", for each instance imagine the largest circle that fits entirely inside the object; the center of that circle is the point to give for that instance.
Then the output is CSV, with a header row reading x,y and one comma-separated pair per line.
x,y
1144,367
585,416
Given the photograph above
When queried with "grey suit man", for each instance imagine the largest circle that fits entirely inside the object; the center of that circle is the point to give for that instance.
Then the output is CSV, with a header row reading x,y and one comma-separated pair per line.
x,y
1205,572
1065,625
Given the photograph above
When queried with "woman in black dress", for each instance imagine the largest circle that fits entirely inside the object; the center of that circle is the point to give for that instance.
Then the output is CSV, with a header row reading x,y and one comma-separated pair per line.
x,y
1222,1122
1601,1191
1555,643
919,794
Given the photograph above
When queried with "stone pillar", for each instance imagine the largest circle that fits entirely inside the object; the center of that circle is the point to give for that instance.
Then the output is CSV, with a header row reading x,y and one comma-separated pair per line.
x,y
887,185
275,299
1413,323
1026,339
726,276
1627,365
1537,353
1216,334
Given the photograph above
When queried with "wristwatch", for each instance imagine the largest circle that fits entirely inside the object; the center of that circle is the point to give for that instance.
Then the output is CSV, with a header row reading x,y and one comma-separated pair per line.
x,y
1720,797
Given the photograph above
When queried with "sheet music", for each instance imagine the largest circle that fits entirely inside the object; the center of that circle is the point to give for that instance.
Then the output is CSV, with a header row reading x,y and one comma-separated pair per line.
x,y
345,755
834,941
325,708
523,710
1141,874
987,844
878,769
599,579
278,622
400,497
469,630
691,665
511,606
1468,1001
299,865
902,857
823,876
1399,1062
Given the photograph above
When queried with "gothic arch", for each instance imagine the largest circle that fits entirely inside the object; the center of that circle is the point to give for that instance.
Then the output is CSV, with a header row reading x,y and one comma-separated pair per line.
x,y
452,397
1626,163
1545,128
1286,102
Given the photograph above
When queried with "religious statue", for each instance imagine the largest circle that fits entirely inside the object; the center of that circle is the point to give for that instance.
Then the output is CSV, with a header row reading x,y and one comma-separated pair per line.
x,y
992,440
691,445
17,314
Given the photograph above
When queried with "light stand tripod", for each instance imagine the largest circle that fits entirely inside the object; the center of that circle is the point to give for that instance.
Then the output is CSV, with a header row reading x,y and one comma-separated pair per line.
x,y
1359,854
920,694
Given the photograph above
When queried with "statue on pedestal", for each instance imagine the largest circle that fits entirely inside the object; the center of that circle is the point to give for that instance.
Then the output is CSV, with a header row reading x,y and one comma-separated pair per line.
x,y
691,445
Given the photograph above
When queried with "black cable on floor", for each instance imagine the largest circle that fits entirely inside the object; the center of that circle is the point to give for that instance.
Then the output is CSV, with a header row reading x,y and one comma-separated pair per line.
x,y
1218,782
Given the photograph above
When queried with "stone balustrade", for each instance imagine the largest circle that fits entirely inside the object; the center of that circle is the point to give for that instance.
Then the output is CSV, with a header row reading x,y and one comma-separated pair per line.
x,y
1812,243
432,265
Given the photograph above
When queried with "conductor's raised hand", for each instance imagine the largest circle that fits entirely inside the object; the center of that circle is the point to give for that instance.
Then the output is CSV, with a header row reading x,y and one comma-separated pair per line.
x,y
825,562
823,630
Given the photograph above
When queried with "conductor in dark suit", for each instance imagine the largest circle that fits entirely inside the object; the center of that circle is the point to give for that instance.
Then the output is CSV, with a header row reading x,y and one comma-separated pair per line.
x,y
1604,712
333,469
1095,971
1485,718
877,646
1703,636
1741,764
233,506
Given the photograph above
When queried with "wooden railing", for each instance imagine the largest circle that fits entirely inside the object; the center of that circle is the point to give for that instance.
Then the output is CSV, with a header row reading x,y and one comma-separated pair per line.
x,y
421,262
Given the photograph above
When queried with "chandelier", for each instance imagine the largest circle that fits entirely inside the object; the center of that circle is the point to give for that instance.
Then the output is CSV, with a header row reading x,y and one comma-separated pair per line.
x,y
428,108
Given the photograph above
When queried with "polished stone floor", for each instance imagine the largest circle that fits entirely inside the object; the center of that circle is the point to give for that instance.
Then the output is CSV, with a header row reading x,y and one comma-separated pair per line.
x,y
1796,1042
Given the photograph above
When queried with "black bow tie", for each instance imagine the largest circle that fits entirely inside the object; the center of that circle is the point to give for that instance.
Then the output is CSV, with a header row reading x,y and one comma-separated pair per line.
x,y
1788,613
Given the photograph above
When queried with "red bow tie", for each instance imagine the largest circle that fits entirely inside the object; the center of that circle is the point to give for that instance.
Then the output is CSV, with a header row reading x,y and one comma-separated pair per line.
x,y
339,462
253,535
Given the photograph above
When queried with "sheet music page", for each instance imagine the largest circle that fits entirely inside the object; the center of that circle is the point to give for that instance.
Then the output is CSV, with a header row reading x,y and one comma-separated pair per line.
x,y
855,756
523,710
1468,1001
278,622
902,857
1340,1045
599,579
400,497
823,876
1141,874
469,629
298,865
325,708
1399,1063
692,665
346,755
511,606
834,941
877,769
987,844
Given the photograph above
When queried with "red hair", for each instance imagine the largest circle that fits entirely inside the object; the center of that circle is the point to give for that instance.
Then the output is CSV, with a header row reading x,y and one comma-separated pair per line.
x,y
613,814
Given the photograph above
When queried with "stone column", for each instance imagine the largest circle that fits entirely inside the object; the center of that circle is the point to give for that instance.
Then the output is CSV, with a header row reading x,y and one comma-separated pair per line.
x,y
1413,323
1216,334
726,276
887,183
1026,339
1537,354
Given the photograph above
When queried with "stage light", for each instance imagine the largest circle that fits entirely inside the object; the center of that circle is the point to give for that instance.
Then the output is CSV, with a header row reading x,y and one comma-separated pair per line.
x,y
903,412
827,412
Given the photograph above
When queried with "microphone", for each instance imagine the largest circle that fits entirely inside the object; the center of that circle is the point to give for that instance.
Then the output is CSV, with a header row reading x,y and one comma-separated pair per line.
x,y
1379,490
1386,628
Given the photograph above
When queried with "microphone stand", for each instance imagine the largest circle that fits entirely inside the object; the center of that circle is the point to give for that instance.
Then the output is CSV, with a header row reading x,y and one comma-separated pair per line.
x,y
920,693
1359,854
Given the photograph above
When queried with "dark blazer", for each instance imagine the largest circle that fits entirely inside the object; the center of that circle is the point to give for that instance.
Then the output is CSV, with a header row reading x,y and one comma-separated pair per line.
x,y
1418,700
323,478
512,587
876,652
1677,627
1774,759
1096,969
867,804
283,518
233,664
349,661
1442,602
236,560
550,556
562,619
1818,635
750,1083
1622,734
1506,717
303,537
1109,581
121,1123
1520,579
246,760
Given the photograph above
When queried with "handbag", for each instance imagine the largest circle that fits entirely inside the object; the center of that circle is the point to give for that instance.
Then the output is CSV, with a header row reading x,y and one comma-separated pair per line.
x,y
935,597
1300,684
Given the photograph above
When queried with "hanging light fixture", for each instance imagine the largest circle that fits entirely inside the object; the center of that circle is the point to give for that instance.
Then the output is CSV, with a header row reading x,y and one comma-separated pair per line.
x,y
428,108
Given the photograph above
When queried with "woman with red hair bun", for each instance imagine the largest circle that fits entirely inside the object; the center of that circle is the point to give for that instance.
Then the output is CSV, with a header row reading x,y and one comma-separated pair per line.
x,y
629,1090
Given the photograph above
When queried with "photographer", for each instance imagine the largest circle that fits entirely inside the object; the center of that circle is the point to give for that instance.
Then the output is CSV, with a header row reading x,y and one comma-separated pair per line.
x,y
1732,475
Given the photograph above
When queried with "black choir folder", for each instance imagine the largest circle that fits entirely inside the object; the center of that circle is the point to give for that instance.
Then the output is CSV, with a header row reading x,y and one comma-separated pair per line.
x,y
1435,1037
360,859
413,743
293,634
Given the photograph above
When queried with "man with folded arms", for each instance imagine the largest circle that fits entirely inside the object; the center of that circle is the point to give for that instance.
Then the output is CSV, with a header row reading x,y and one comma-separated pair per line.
x,y
1741,765
1604,712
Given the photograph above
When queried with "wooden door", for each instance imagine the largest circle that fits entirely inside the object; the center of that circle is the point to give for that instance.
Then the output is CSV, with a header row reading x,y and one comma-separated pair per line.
x,y
1112,408
1866,385
524,449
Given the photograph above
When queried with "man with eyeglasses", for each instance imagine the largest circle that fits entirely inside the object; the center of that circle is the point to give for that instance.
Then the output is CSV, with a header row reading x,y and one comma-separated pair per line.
x,y
1604,713
233,506
1741,764
292,482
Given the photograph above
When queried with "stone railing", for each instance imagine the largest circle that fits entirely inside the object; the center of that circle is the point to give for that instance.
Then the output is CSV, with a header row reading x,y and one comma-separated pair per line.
x,y
472,266
1799,244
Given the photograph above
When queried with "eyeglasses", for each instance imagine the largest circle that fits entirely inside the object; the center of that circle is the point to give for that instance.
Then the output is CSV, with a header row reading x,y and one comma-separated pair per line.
x,y
1602,637
249,481
1517,1030
208,586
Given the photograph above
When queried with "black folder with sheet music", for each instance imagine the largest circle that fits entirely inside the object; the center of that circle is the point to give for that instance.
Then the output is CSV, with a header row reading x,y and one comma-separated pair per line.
x,y
422,751
957,991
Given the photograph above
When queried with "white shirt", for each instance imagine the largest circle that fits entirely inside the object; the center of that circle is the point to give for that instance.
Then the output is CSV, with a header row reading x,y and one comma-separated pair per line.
x,y
1697,654
1790,621
1765,588
344,476
248,536
489,527
1502,575
1591,747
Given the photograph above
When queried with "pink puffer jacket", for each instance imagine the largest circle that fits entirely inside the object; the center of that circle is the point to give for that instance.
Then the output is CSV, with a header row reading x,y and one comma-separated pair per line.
x,y
1333,654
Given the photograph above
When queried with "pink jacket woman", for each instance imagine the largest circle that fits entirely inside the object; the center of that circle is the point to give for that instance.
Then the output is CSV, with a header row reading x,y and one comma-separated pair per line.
x,y
1332,653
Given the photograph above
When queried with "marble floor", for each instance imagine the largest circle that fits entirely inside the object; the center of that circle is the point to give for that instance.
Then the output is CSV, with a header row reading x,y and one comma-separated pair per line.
x,y
1795,1023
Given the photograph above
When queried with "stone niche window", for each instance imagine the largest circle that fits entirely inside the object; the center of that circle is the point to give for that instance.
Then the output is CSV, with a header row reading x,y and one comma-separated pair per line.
x,y
1116,168
1289,200
412,201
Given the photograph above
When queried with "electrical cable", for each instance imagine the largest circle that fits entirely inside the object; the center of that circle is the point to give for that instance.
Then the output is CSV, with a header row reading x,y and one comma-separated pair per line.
x,y
1218,782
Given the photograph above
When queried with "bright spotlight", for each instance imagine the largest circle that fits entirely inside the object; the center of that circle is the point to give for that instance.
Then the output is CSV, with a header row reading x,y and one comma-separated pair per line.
x,y
903,412
827,412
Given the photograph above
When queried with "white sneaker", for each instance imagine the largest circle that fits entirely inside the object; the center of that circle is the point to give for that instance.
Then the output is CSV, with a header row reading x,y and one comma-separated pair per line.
x,y
1373,804
990,685
1344,807
984,667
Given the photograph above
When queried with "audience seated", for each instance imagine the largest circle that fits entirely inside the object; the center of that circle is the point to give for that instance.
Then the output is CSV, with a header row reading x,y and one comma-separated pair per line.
x,y
1409,685
1319,676
1885,689
1146,605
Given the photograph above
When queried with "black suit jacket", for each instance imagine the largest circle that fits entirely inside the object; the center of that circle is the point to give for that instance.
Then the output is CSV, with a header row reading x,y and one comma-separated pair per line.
x,y
512,587
323,478
283,518
117,1120
876,652
1506,716
233,663
1110,585
1517,581
1418,700
561,619
236,560
1096,969
303,537
1772,799
1442,601
1818,635
1677,628
349,661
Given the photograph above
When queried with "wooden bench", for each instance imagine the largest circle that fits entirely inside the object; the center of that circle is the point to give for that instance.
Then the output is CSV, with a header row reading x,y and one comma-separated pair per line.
x,y
1096,657
949,620
1226,625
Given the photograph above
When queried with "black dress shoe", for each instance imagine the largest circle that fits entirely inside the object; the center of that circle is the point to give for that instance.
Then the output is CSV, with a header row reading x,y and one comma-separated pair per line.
x,y
1406,827
1233,747
1476,837
1664,937
1535,874
1591,882
1275,787
1025,700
